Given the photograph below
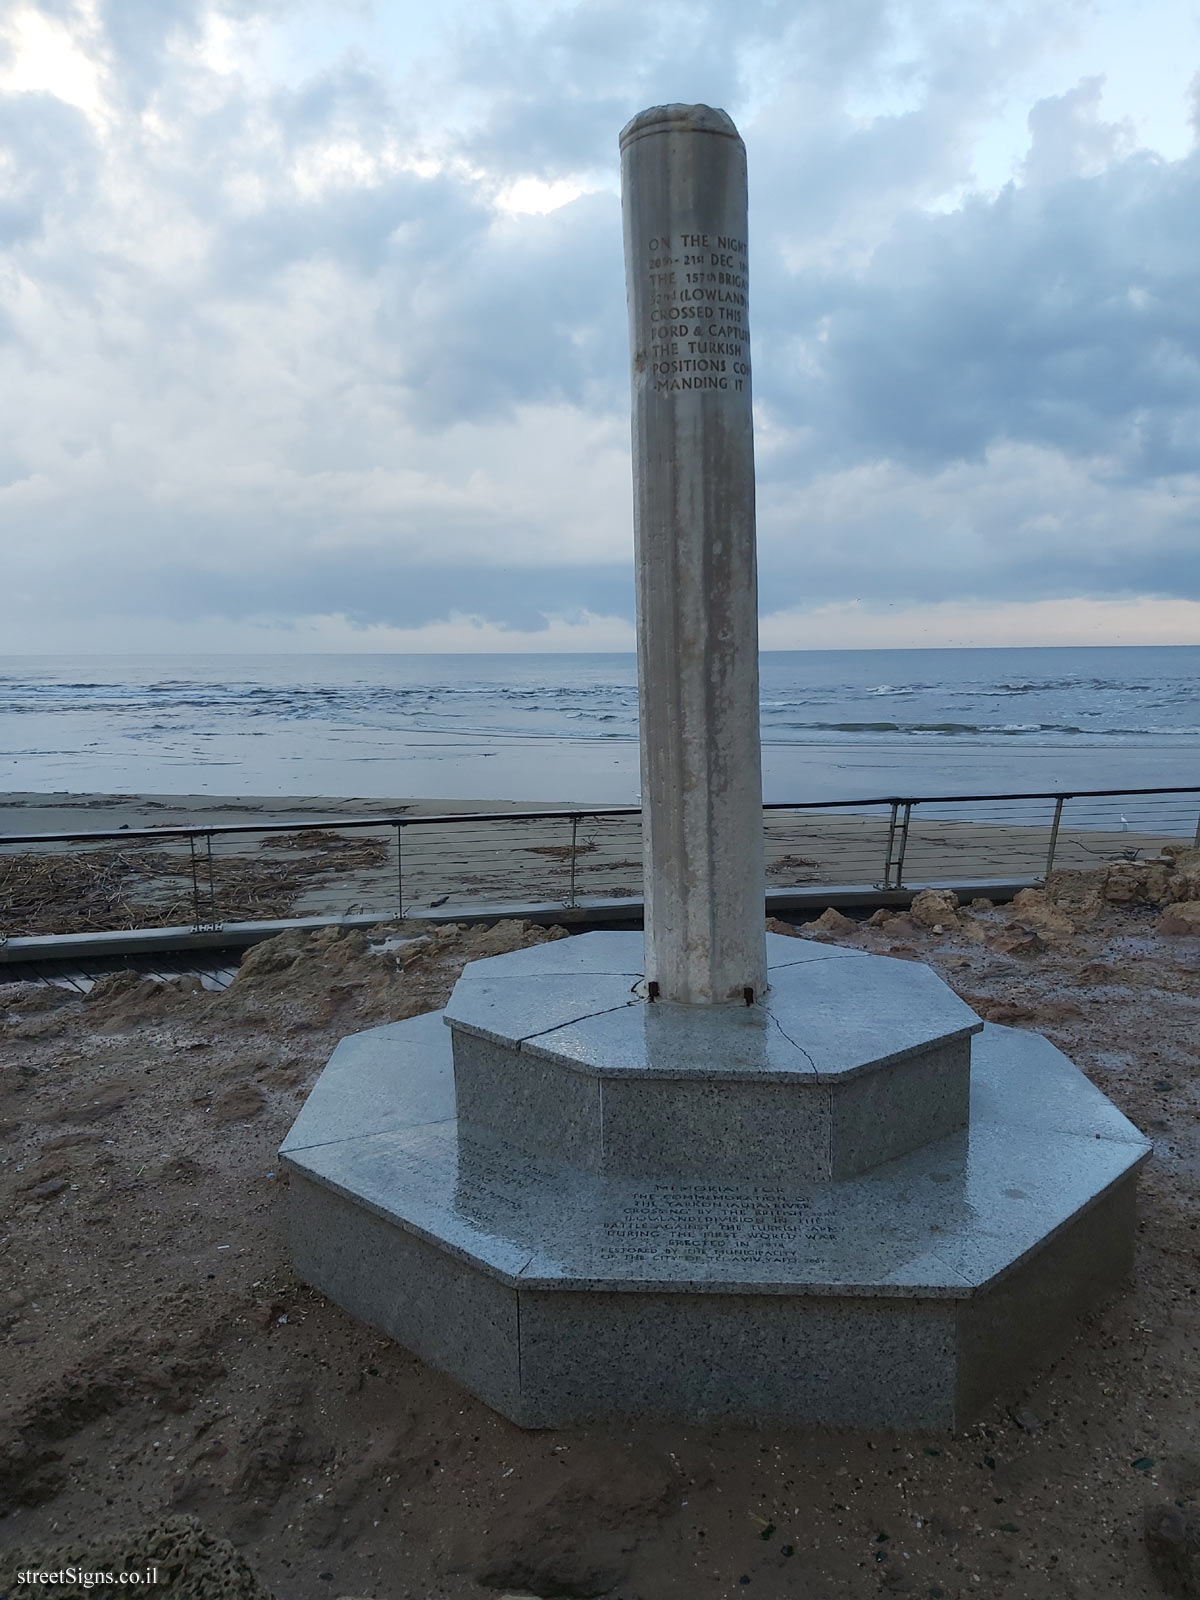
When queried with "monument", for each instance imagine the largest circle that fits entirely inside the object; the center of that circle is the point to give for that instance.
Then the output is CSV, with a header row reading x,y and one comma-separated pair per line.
x,y
708,1173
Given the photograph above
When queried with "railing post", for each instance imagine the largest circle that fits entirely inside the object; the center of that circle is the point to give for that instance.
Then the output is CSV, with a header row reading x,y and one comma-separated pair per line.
x,y
1196,840
887,855
574,858
1058,810
400,871
893,867
196,919
904,821
214,920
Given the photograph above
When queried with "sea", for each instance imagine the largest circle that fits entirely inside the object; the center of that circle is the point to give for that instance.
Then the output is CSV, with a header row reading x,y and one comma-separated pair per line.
x,y
836,724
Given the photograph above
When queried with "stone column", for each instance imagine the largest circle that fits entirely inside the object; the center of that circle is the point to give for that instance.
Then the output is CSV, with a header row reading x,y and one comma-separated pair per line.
x,y
683,171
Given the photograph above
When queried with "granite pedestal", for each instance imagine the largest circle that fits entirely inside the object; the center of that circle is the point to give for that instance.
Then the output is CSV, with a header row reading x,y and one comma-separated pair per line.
x,y
851,1204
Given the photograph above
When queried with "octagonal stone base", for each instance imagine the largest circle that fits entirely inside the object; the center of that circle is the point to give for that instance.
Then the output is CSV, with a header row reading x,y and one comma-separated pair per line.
x,y
850,1060
903,1296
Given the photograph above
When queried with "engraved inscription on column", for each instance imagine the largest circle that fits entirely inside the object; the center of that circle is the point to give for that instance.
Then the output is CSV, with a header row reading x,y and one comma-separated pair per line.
x,y
696,291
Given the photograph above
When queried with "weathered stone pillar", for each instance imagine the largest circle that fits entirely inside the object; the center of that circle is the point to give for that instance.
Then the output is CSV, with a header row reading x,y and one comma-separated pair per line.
x,y
683,174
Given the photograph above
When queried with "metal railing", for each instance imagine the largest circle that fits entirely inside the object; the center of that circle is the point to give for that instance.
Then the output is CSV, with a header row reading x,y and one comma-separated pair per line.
x,y
412,864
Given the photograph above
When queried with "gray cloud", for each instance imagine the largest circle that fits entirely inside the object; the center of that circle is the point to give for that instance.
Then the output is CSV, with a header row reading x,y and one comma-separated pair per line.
x,y
273,348
1059,314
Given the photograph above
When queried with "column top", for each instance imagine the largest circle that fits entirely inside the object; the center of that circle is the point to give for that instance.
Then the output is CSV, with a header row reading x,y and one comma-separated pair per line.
x,y
679,119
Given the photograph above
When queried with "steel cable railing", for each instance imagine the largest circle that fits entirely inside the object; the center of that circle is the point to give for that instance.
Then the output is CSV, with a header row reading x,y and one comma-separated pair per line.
x,y
407,864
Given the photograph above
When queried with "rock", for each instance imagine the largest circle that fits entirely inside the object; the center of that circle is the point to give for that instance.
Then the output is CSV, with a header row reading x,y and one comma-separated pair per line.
x,y
1015,941
831,924
1172,1536
982,903
1181,918
1025,1419
48,1188
1184,885
1036,910
1126,883
1077,893
932,908
267,1312
774,925
880,918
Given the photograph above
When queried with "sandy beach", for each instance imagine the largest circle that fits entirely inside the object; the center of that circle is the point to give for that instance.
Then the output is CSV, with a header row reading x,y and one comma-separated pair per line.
x,y
442,856
164,1363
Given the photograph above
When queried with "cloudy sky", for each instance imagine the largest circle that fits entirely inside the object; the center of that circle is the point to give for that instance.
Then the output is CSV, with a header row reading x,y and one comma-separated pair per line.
x,y
312,328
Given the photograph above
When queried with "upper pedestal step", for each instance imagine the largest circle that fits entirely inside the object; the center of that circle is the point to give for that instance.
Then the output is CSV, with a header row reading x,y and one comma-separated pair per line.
x,y
851,1060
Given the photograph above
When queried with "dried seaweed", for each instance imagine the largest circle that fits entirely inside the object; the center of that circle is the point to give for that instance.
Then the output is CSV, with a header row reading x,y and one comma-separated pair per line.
x,y
81,891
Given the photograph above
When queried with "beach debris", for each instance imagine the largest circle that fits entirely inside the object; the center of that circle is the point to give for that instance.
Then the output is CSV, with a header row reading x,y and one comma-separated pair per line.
x,y
82,890
796,869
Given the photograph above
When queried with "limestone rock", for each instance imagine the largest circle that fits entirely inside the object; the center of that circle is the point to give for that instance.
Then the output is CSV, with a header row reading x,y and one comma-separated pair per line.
x,y
776,925
1036,910
1184,885
1135,883
1181,918
831,924
1076,893
1015,940
933,908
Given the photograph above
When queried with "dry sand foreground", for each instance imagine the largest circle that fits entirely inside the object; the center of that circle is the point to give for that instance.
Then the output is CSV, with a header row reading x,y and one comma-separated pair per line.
x,y
456,861
162,1360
